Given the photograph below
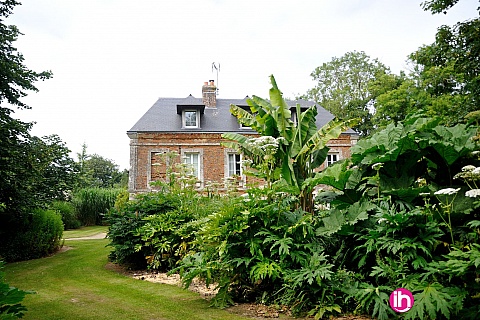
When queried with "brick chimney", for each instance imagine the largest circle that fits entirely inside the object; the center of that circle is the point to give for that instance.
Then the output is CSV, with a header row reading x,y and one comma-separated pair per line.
x,y
209,94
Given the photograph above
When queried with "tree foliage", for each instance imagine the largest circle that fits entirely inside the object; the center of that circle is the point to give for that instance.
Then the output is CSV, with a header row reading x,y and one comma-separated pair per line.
x,y
32,170
343,87
97,171
16,79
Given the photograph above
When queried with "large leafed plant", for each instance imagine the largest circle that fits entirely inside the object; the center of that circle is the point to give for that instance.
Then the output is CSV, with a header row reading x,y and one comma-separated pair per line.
x,y
299,148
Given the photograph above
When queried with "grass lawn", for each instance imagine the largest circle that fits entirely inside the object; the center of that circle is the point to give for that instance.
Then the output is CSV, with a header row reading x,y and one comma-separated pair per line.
x,y
74,285
84,232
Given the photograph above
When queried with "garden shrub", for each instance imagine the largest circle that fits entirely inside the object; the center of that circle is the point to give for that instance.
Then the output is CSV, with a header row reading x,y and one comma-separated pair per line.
x,y
257,248
158,229
10,299
124,222
122,199
34,235
406,214
68,214
403,212
397,215
91,204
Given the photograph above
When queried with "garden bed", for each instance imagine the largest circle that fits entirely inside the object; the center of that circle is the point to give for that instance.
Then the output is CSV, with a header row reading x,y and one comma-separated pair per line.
x,y
251,310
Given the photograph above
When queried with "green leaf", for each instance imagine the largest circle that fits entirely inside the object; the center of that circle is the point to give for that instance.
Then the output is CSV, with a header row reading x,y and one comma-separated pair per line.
x,y
244,117
329,131
281,111
332,223
358,211
435,300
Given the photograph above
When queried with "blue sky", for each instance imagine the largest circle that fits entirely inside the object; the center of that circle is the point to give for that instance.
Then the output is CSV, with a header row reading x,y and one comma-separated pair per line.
x,y
112,59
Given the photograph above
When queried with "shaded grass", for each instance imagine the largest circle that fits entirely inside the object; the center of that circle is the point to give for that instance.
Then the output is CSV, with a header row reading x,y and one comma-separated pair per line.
x,y
75,285
84,232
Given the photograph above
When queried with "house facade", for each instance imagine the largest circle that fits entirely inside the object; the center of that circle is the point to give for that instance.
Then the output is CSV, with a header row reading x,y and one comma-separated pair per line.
x,y
192,128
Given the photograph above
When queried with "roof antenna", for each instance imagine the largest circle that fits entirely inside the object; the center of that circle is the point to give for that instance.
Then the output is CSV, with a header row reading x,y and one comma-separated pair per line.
x,y
214,66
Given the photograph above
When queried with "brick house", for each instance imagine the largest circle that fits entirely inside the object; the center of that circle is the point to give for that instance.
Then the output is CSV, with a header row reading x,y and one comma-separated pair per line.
x,y
193,127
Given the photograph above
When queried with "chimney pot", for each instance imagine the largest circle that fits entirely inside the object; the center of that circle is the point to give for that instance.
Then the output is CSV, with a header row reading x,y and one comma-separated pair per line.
x,y
209,94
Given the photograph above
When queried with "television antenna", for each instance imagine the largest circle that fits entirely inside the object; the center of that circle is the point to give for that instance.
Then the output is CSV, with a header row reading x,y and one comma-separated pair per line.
x,y
217,69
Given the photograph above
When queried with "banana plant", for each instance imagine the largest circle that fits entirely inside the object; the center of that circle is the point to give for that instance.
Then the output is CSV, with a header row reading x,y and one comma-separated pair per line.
x,y
302,147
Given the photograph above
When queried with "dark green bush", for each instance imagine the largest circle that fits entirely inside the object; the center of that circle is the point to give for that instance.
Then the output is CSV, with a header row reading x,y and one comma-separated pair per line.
x,y
125,221
157,229
68,214
397,216
261,249
32,235
91,204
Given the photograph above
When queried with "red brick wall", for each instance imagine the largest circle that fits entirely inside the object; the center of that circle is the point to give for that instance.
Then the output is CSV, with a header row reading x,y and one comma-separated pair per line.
x,y
144,147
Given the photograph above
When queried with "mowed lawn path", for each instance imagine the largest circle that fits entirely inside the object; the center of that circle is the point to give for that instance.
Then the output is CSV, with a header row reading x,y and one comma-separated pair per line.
x,y
75,285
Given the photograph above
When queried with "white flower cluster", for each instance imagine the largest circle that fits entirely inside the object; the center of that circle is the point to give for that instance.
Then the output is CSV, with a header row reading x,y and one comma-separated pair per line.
x,y
447,191
468,168
473,193
246,163
266,144
469,173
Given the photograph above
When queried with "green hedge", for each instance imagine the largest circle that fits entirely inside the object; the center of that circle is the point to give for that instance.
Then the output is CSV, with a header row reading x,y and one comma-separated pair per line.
x,y
31,236
68,214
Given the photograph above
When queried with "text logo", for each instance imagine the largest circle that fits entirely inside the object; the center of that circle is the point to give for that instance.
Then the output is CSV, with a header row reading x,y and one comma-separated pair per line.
x,y
401,300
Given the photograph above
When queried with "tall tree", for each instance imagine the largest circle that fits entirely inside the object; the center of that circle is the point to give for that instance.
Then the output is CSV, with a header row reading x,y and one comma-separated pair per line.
x,y
97,171
445,80
33,170
16,79
343,87
451,65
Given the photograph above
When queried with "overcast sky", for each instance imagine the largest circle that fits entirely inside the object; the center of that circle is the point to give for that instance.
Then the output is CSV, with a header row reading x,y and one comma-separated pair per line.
x,y
112,59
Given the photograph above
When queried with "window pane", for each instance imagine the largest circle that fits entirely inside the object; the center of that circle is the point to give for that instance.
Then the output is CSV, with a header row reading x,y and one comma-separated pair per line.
x,y
191,119
193,160
231,164
332,158
234,165
237,165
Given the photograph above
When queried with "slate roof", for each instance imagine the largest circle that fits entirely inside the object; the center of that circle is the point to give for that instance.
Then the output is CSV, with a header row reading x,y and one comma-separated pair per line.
x,y
163,116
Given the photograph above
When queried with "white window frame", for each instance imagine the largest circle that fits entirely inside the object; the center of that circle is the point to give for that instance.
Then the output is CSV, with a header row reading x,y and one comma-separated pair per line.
x,y
294,117
227,161
197,119
186,152
238,163
329,160
242,126
188,158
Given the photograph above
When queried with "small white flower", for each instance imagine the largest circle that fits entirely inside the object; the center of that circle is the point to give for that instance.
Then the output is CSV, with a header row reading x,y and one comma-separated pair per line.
x,y
475,152
381,220
421,182
476,171
468,168
424,194
377,166
473,193
448,191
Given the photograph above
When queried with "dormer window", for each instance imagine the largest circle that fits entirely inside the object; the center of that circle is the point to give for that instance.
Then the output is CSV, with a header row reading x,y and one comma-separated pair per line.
x,y
190,110
191,119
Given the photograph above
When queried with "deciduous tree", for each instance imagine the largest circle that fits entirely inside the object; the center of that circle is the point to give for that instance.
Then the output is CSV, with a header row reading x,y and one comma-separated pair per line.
x,y
343,87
